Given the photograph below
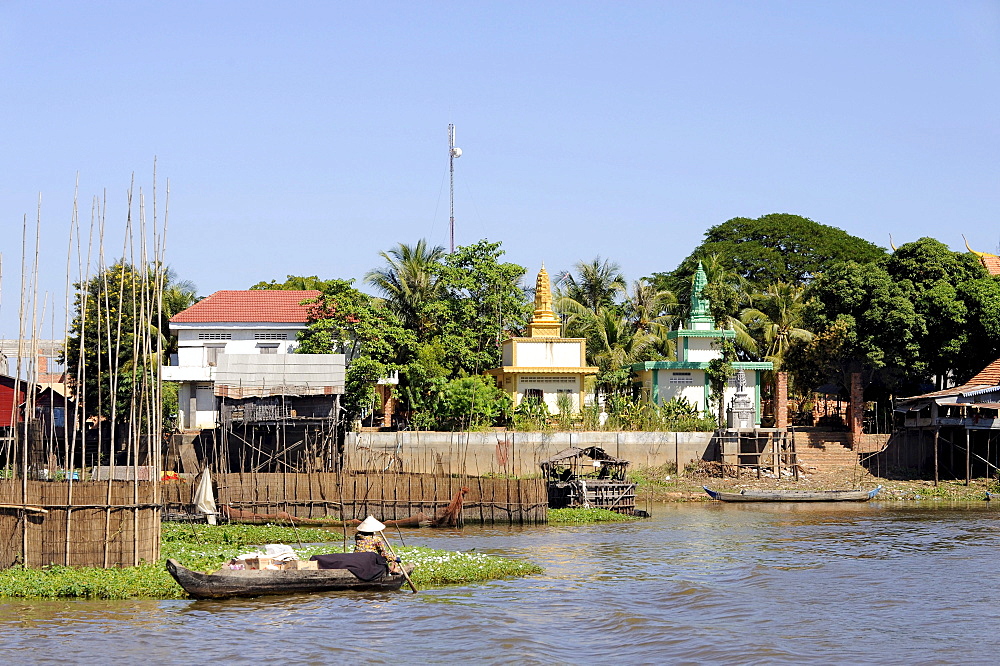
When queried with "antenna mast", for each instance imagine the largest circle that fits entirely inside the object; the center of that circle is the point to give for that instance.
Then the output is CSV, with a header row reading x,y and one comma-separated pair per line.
x,y
453,154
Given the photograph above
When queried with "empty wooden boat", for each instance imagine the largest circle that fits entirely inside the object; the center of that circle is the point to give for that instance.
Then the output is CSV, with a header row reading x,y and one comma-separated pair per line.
x,y
793,495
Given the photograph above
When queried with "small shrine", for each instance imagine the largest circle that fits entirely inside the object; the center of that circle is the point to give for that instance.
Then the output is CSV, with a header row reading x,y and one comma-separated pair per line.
x,y
697,345
544,366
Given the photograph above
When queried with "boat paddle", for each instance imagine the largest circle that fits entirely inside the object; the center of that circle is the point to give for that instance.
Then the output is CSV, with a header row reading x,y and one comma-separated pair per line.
x,y
401,567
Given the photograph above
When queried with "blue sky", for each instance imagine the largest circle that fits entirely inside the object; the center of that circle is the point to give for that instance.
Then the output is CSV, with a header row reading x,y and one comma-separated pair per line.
x,y
305,138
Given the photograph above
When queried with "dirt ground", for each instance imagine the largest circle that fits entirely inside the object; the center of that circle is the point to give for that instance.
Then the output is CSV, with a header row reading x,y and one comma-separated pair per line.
x,y
662,485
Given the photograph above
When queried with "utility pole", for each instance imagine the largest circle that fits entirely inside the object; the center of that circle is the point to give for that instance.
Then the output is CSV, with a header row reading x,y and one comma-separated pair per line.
x,y
453,154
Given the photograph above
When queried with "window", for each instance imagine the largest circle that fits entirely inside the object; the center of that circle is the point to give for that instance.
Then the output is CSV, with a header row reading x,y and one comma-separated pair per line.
x,y
212,353
215,336
268,348
270,336
681,378
548,380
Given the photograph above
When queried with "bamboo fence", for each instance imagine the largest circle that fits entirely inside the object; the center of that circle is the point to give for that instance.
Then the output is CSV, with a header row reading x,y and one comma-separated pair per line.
x,y
76,521
87,528
386,496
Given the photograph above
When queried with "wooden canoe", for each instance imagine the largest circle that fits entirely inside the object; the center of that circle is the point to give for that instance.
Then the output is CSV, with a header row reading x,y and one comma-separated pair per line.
x,y
228,583
794,495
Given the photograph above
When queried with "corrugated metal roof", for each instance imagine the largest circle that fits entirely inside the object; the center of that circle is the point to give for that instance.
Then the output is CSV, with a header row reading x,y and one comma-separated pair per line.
x,y
276,306
981,391
246,375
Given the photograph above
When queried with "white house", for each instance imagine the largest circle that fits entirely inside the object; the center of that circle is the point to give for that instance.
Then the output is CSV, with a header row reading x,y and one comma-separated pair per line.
x,y
250,322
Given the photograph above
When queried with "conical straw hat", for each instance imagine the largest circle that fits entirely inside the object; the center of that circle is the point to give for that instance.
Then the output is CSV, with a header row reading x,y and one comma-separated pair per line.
x,y
369,524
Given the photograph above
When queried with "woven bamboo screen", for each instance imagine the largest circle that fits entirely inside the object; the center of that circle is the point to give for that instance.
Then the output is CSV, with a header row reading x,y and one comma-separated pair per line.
x,y
387,496
86,523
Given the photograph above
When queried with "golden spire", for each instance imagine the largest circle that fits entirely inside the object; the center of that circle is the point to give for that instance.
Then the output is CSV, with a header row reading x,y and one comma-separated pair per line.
x,y
978,254
544,323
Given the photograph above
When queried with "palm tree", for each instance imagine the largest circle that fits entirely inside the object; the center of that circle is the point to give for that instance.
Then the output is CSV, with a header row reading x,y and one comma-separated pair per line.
x,y
613,344
776,321
649,308
596,285
175,296
409,281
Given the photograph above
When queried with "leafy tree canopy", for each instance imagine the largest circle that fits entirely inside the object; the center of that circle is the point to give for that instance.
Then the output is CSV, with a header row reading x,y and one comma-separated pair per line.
x,y
934,276
482,304
863,321
295,283
118,337
779,247
344,320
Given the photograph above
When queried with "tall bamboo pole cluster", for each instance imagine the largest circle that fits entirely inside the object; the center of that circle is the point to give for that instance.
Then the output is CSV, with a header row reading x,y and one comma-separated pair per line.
x,y
112,349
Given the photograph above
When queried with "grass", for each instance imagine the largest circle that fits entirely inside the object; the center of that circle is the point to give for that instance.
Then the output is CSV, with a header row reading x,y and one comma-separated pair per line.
x,y
583,516
205,548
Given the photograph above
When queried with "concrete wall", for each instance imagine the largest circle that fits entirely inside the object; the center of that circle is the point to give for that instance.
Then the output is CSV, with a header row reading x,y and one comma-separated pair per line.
x,y
548,353
517,453
700,350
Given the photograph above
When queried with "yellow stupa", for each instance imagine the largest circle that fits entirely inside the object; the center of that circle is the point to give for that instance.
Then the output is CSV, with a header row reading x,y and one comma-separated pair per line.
x,y
543,365
544,322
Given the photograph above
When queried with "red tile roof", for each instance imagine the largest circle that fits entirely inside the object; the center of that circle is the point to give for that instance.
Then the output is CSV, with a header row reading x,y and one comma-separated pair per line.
x,y
991,262
249,306
990,375
987,378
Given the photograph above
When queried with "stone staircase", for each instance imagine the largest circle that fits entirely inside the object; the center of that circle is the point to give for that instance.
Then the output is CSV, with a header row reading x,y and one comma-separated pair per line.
x,y
823,450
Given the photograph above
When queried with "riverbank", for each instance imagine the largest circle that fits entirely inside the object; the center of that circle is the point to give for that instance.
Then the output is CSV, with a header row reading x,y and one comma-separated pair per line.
x,y
206,548
663,485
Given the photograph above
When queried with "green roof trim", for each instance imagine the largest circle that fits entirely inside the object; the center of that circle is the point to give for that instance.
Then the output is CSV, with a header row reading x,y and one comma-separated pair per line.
x,y
713,333
697,365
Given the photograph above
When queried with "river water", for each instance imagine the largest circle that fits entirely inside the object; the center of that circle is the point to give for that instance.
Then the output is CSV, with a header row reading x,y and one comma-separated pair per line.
x,y
697,583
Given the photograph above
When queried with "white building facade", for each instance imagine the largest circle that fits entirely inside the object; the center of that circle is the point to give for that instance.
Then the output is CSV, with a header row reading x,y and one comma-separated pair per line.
x,y
251,322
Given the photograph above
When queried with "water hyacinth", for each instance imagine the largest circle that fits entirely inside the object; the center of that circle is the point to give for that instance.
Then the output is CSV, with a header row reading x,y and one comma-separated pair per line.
x,y
557,516
205,548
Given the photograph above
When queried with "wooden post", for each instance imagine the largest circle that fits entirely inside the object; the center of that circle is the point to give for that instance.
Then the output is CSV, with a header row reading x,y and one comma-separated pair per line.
x,y
678,470
937,433
968,456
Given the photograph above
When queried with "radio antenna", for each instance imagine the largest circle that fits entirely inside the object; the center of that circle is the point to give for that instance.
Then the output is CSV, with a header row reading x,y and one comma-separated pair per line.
x,y
453,154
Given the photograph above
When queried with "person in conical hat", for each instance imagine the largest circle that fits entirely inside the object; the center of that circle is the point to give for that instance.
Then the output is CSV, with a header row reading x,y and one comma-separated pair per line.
x,y
370,525
367,541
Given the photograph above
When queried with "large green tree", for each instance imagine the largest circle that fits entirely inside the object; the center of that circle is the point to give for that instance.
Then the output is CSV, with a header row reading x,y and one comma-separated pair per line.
x,y
863,321
982,299
343,320
779,247
482,303
941,285
118,338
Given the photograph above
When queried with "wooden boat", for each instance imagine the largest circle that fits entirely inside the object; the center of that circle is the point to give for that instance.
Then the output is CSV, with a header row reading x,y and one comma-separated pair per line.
x,y
228,583
794,495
